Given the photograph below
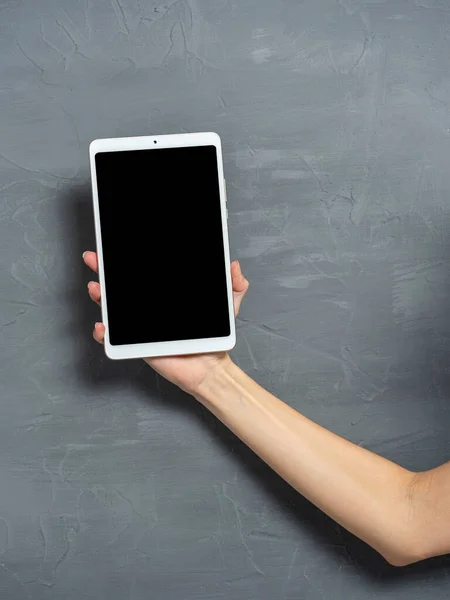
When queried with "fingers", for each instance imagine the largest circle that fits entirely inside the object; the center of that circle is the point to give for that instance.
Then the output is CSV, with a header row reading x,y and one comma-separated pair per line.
x,y
240,286
99,333
90,258
94,292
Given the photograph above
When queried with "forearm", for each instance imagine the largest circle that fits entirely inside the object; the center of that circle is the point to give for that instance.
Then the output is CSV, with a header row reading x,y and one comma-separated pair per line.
x,y
365,493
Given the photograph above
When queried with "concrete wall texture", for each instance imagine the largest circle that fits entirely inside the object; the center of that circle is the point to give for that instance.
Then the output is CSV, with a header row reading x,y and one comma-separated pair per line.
x,y
335,120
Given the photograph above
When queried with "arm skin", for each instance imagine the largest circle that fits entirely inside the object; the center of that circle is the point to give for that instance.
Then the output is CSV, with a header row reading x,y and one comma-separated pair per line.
x,y
403,515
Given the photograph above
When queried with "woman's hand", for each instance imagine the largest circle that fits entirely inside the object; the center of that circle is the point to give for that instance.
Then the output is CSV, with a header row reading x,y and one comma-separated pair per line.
x,y
187,372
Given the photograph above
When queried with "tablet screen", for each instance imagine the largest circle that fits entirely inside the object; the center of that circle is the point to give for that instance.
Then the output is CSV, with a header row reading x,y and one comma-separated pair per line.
x,y
162,241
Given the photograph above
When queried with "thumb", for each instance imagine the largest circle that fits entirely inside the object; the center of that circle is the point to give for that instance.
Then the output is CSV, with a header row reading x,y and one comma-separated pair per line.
x,y
240,285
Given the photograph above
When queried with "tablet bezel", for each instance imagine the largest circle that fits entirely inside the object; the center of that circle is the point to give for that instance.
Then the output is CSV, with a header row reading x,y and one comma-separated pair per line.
x,y
181,347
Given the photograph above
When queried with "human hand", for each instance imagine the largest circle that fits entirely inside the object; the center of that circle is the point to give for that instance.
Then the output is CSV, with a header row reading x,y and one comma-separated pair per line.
x,y
187,372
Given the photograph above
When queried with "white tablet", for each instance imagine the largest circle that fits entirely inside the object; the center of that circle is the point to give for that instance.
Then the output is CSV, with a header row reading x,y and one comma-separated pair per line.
x,y
162,243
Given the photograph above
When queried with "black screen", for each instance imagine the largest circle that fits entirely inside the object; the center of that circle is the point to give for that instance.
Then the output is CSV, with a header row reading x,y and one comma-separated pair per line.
x,y
162,242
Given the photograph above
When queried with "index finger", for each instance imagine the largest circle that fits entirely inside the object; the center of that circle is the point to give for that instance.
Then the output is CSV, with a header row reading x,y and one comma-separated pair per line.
x,y
90,258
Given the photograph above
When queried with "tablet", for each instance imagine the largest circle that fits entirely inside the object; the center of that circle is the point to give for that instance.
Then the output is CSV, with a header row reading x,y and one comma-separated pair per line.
x,y
162,243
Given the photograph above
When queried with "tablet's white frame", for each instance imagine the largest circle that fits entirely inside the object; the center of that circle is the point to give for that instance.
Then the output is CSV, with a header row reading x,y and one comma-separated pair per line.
x,y
162,348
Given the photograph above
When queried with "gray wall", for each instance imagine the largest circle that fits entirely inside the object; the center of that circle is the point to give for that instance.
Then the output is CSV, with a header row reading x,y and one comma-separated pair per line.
x,y
335,119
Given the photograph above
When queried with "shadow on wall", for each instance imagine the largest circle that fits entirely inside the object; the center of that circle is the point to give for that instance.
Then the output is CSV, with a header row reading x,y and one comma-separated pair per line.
x,y
94,371
92,366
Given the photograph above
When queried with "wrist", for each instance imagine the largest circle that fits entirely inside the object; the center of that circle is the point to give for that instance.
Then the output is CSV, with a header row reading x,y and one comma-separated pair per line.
x,y
216,379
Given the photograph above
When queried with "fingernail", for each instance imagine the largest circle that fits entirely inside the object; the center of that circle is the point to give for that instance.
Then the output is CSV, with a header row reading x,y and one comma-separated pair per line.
x,y
89,284
84,253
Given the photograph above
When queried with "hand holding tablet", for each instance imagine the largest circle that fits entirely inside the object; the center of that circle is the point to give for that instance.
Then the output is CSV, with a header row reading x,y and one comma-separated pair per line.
x,y
187,372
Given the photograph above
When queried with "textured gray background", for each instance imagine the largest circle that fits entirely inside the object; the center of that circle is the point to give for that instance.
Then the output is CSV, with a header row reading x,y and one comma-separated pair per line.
x,y
335,118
